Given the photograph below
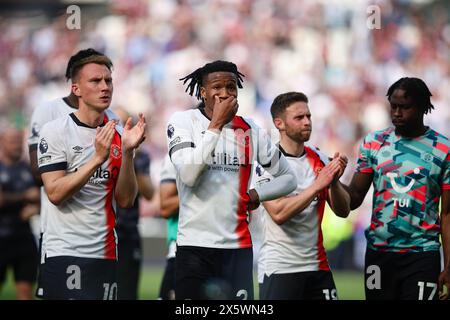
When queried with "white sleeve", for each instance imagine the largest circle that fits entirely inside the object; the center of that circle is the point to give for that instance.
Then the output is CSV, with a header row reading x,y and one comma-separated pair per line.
x,y
189,158
261,176
168,173
284,181
41,115
51,151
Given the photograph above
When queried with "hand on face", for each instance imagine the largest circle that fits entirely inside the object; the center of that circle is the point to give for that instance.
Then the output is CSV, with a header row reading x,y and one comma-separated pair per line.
x,y
224,111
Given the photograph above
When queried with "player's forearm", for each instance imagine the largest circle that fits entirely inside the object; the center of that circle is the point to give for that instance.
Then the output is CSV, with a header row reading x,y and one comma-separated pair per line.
x,y
126,187
339,200
145,186
169,206
61,188
190,162
445,234
284,209
34,165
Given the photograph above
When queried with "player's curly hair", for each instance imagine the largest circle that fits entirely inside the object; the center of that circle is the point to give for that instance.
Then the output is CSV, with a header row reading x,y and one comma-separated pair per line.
x,y
83,57
416,89
196,78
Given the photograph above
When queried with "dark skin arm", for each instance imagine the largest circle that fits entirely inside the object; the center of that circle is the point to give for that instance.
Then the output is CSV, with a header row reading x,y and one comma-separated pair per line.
x,y
253,202
358,188
444,277
32,151
168,199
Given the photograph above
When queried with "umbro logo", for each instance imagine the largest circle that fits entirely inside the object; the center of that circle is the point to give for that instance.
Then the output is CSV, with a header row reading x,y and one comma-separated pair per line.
x,y
77,149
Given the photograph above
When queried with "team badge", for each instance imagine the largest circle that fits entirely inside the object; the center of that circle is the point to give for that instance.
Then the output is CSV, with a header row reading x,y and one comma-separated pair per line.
x,y
43,146
170,131
115,151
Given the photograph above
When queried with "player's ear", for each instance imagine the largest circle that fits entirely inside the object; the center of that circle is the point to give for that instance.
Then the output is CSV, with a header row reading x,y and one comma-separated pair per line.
x,y
279,123
203,92
76,89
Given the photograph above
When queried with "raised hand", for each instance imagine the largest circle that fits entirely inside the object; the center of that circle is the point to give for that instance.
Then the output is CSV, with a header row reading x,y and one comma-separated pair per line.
x,y
132,137
223,112
326,176
342,162
103,140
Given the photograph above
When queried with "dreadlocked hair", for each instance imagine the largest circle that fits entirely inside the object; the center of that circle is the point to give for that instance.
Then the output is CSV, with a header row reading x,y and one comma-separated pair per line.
x,y
416,89
196,78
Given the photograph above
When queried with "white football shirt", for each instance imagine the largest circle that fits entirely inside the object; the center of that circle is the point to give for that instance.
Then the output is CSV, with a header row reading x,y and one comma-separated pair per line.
x,y
296,245
82,226
42,114
213,212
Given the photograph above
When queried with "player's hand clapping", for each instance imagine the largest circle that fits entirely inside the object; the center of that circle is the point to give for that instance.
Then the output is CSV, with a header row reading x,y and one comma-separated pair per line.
x,y
133,136
103,140
342,161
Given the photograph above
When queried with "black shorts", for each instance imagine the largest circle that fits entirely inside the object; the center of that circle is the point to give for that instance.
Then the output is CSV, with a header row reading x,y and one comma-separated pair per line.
x,y
22,256
65,277
167,291
210,273
309,285
402,276
129,268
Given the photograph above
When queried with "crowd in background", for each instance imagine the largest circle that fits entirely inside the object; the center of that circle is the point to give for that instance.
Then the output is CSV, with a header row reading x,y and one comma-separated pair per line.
x,y
322,48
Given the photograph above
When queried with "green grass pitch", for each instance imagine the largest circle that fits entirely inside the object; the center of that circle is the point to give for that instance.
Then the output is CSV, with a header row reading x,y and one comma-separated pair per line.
x,y
350,285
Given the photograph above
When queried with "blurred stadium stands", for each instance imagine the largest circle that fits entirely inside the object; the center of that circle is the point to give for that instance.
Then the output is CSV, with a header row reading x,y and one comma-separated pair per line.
x,y
322,48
